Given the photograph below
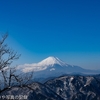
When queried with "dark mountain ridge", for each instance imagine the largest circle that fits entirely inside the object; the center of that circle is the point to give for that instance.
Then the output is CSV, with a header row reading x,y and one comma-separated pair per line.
x,y
66,87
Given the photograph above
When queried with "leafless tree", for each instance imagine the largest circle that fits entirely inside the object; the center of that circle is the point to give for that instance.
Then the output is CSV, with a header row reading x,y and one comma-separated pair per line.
x,y
8,78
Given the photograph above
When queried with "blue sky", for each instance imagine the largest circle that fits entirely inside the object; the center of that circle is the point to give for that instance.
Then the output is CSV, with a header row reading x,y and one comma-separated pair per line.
x,y
68,29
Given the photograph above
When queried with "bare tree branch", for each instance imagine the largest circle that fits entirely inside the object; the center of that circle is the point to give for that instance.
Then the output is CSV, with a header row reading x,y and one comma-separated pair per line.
x,y
6,58
8,78
3,38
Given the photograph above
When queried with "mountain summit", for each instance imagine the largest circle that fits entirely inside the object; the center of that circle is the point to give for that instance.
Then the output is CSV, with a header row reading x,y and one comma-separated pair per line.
x,y
42,65
51,61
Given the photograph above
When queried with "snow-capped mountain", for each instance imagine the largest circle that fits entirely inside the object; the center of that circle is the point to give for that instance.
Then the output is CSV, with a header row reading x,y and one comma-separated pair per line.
x,y
42,65
51,67
51,61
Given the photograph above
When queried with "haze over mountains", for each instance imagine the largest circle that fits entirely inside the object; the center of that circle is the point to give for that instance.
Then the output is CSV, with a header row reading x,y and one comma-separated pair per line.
x,y
53,67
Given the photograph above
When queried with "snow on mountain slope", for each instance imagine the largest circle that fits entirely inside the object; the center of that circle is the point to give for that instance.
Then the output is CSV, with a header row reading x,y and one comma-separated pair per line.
x,y
44,64
51,61
76,87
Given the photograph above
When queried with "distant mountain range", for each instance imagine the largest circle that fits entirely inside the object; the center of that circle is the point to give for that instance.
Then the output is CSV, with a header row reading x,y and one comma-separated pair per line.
x,y
53,67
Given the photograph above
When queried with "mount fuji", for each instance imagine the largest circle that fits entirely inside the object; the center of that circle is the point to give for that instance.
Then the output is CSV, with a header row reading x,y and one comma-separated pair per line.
x,y
53,67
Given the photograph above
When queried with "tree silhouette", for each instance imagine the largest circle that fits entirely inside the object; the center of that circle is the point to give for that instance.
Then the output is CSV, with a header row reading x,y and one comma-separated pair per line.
x,y
8,78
